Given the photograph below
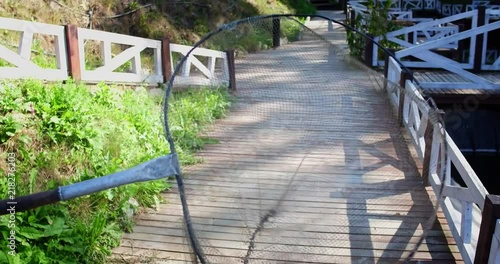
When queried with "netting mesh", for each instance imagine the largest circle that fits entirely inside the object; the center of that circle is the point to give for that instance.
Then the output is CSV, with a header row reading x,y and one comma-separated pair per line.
x,y
311,163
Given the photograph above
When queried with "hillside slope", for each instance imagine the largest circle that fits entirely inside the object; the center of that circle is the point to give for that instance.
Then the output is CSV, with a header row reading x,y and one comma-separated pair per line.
x,y
182,21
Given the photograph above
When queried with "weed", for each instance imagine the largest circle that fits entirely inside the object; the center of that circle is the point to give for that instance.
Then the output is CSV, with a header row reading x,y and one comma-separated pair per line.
x,y
66,133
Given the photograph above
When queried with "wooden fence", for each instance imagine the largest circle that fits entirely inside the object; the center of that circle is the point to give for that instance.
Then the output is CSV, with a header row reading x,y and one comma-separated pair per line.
x,y
127,66
473,215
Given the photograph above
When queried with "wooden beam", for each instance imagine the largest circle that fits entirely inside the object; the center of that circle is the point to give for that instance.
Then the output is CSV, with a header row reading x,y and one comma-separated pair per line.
x,y
402,83
491,213
478,55
428,135
232,72
276,32
369,50
386,61
72,49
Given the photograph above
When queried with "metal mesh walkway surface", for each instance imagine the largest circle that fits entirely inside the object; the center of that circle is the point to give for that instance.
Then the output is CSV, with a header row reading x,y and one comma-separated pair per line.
x,y
311,166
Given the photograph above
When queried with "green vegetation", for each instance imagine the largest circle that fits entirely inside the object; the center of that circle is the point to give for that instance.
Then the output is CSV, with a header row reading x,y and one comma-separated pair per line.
x,y
377,25
66,133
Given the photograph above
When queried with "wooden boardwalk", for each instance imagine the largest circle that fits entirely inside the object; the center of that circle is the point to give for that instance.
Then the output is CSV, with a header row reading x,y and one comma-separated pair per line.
x,y
450,80
311,146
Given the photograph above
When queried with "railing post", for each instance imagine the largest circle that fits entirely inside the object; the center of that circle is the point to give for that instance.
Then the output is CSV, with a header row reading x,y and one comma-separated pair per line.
x,y
369,50
276,32
402,83
491,212
386,62
231,70
428,135
461,44
72,51
478,54
352,18
166,60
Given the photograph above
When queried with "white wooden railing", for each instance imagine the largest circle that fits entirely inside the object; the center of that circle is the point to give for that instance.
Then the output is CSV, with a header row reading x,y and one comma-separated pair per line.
x,y
214,72
426,37
427,31
414,115
107,72
210,73
22,66
491,14
462,206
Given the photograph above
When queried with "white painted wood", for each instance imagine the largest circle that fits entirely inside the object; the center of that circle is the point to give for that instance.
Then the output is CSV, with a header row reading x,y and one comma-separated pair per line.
x,y
136,66
207,70
23,67
186,67
121,77
449,65
44,74
436,43
120,59
132,54
158,62
26,43
447,178
33,27
457,192
412,4
393,77
16,60
117,38
450,85
211,64
413,120
453,217
183,49
432,24
106,52
432,30
466,223
61,56
478,191
459,203
424,64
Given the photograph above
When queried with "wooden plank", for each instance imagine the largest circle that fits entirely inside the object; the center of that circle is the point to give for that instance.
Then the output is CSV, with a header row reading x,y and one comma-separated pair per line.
x,y
158,228
73,52
268,241
98,35
231,70
166,60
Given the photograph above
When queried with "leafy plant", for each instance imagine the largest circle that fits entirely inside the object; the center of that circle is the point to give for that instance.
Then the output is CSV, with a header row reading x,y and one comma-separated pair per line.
x,y
376,25
66,133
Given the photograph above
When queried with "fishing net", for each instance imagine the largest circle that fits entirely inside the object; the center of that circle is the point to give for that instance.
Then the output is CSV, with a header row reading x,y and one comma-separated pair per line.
x,y
310,163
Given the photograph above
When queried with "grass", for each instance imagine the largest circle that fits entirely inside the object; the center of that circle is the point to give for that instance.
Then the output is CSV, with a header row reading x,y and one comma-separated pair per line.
x,y
66,133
